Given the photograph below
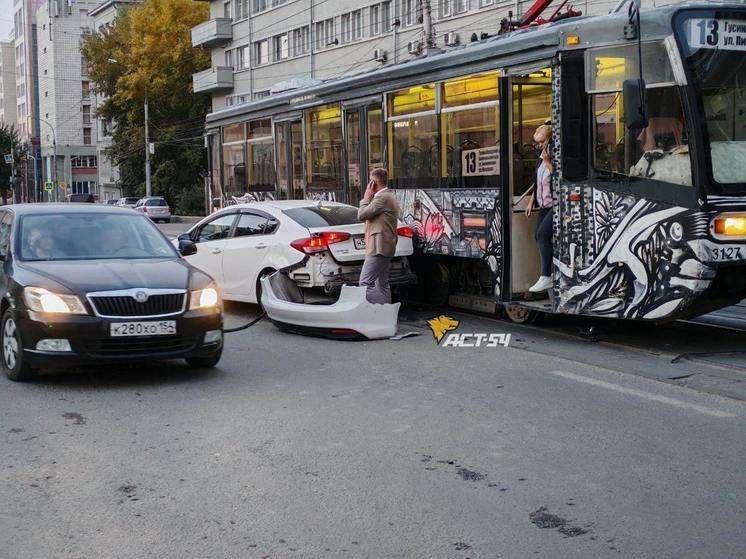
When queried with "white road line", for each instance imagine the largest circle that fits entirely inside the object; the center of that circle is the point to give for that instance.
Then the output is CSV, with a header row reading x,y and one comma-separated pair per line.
x,y
641,394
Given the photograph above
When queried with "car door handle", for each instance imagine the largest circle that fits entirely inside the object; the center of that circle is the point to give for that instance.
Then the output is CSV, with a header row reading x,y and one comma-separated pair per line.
x,y
261,246
217,250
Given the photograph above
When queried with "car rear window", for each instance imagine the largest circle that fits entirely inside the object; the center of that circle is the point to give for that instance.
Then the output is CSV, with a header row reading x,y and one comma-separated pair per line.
x,y
131,200
155,203
323,216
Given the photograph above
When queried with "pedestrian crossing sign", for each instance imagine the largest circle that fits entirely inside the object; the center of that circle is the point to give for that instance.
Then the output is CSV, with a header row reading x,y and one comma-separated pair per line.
x,y
49,186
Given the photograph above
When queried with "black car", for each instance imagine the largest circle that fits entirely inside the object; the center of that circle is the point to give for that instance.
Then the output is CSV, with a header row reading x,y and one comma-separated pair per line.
x,y
93,283
81,198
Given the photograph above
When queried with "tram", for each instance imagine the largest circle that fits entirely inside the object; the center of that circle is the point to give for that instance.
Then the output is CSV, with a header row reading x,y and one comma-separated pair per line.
x,y
648,111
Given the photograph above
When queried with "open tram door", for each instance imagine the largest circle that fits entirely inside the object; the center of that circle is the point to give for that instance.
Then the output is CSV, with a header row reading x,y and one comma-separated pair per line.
x,y
289,154
530,103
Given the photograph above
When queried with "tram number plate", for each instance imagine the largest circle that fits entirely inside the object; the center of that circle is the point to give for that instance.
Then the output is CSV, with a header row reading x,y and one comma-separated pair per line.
x,y
726,253
162,328
359,242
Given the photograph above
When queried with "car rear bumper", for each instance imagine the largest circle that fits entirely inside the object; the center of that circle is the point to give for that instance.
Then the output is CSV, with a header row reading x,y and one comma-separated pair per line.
x,y
331,275
350,317
91,341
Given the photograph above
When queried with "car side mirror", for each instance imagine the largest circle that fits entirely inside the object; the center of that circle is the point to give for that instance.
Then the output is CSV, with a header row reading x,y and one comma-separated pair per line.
x,y
635,104
187,247
185,237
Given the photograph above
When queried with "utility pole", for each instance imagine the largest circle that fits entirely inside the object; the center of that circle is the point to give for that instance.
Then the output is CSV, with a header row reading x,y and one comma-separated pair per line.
x,y
427,28
148,187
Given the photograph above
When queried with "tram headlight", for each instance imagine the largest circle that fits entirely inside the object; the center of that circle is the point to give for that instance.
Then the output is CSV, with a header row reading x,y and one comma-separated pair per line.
x,y
729,226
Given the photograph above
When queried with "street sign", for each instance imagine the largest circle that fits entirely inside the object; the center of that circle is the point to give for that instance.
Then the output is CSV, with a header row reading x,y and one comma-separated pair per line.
x,y
63,186
151,148
8,158
49,186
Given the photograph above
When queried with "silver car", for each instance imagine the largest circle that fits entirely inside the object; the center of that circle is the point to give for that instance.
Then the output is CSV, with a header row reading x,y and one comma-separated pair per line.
x,y
128,202
156,208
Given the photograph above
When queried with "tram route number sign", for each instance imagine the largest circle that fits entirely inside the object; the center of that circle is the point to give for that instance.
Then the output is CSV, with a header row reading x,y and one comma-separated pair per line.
x,y
480,162
721,34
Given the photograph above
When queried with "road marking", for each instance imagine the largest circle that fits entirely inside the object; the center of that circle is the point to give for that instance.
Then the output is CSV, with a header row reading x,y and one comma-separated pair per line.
x,y
644,395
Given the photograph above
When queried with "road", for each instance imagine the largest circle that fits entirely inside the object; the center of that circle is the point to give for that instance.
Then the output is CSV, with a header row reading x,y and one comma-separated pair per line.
x,y
560,445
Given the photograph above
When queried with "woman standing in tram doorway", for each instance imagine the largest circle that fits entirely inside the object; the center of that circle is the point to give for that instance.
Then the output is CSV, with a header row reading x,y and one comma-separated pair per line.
x,y
543,196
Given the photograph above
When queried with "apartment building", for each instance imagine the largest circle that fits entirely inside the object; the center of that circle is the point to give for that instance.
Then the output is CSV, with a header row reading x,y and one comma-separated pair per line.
x,y
102,16
27,90
68,134
7,83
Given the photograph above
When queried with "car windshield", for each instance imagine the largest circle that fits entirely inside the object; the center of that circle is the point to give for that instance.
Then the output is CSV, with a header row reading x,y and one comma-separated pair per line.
x,y
90,236
323,216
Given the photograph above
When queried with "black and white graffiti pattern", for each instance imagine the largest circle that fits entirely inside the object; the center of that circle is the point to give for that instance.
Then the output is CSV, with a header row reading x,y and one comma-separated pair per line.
x,y
649,262
462,223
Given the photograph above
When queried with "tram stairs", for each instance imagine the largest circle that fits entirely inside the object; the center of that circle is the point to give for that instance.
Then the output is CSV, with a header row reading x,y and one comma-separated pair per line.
x,y
729,317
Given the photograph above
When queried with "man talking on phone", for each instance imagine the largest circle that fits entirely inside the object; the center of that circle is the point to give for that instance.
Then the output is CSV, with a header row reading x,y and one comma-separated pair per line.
x,y
379,209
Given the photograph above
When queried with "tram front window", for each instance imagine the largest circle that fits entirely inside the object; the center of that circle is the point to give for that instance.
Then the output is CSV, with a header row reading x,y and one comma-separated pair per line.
x,y
413,137
659,152
713,49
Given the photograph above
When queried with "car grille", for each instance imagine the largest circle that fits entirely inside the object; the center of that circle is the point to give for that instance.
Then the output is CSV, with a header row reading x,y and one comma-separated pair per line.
x,y
136,345
124,305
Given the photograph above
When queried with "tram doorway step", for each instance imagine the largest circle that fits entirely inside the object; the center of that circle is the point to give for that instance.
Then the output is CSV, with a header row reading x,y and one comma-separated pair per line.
x,y
470,302
544,305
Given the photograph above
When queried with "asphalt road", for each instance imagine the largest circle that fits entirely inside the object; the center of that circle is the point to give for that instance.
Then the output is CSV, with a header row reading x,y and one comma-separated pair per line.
x,y
561,445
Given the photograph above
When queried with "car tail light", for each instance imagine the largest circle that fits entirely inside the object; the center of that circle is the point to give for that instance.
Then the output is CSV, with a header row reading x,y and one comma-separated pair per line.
x,y
405,232
145,209
319,242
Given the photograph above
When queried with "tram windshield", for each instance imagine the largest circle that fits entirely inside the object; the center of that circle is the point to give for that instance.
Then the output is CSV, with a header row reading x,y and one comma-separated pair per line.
x,y
714,44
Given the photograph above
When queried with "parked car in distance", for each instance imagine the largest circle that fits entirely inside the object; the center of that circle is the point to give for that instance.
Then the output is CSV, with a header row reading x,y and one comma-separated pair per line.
x,y
110,202
81,198
94,284
128,202
155,207
323,242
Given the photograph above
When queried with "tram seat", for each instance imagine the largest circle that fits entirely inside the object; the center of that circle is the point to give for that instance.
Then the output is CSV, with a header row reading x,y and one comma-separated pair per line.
x,y
525,261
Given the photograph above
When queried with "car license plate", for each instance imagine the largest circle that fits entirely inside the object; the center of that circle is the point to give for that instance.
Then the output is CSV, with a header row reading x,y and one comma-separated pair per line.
x,y
162,328
359,242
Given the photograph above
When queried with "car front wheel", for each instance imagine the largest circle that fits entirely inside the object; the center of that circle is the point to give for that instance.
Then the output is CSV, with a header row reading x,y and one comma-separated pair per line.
x,y
13,361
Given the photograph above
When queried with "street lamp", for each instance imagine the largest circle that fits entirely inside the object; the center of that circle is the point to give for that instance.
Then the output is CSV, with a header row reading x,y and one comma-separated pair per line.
x,y
54,152
148,187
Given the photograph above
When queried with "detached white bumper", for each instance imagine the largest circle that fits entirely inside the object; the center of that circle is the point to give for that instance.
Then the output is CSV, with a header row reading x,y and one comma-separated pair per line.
x,y
351,317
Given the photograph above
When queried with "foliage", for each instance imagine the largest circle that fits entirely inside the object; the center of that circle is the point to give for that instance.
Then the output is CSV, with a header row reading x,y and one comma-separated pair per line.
x,y
147,53
10,143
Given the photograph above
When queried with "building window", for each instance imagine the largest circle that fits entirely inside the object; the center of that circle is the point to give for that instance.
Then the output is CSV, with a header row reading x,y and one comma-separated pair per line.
x,y
227,9
281,48
300,41
346,28
86,89
330,30
375,20
83,161
412,11
357,24
386,16
319,35
87,136
83,187
83,66
242,9
229,58
261,52
86,110
453,7
258,5
261,94
485,3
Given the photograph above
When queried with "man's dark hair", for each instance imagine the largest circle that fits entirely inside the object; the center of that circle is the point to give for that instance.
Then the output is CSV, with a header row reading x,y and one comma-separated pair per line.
x,y
380,175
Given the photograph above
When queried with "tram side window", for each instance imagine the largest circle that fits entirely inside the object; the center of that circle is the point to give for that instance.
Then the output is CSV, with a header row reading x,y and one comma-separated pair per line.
x,y
375,138
413,137
660,151
260,163
324,170
234,159
470,125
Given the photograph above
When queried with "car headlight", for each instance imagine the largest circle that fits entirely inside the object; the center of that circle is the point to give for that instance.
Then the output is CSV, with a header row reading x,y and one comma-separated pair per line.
x,y
42,300
204,298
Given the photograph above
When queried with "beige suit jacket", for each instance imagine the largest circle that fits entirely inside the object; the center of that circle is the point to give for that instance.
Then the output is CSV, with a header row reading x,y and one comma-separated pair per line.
x,y
381,216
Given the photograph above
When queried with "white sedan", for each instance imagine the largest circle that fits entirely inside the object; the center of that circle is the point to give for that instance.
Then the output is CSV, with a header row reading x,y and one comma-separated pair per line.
x,y
319,245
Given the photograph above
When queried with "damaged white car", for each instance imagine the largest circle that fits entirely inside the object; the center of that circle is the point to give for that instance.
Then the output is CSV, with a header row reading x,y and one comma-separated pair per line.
x,y
320,246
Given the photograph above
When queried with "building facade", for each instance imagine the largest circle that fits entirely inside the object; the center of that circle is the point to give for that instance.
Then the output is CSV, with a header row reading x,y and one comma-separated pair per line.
x,y
8,83
68,142
102,16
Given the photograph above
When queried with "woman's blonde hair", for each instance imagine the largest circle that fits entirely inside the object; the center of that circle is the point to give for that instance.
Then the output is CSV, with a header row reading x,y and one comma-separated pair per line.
x,y
545,129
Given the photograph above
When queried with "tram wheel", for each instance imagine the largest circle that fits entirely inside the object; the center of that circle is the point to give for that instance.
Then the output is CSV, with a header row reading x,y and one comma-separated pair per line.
x,y
521,315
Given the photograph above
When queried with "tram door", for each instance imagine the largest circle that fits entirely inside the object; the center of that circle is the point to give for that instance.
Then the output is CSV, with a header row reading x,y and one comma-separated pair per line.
x,y
289,154
363,147
531,102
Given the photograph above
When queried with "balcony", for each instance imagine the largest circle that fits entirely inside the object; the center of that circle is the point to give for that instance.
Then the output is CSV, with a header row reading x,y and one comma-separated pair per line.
x,y
214,79
212,33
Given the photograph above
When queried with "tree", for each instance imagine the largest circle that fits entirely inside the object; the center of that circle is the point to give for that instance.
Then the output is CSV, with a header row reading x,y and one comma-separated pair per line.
x,y
10,143
147,53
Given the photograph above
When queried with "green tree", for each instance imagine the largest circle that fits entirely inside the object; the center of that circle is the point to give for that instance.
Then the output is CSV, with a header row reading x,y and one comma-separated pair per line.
x,y
10,143
147,53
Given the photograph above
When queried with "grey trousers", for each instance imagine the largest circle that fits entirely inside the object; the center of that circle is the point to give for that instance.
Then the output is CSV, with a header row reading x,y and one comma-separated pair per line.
x,y
375,277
